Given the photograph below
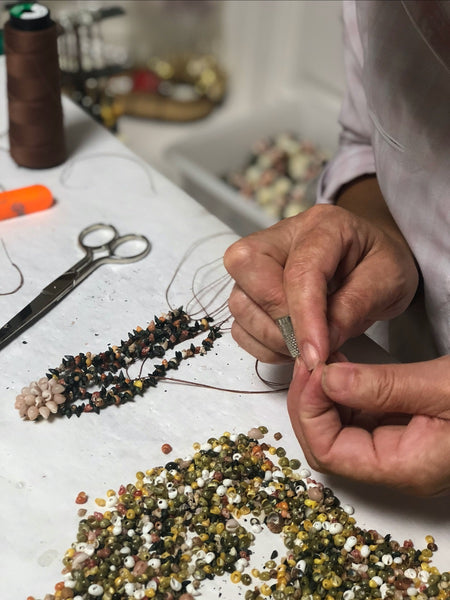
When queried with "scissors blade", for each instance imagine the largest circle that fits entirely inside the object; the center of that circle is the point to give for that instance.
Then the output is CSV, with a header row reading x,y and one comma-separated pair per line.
x,y
38,307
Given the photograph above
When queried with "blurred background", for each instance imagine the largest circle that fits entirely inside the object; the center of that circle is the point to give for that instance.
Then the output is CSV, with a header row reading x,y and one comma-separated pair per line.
x,y
236,101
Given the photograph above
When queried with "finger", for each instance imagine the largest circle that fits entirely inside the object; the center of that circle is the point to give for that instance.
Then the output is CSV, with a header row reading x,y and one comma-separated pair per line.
x,y
255,323
323,251
411,458
330,447
300,377
256,263
415,388
255,347
366,295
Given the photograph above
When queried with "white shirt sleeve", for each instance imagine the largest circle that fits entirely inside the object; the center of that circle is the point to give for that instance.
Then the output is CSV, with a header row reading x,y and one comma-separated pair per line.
x,y
355,155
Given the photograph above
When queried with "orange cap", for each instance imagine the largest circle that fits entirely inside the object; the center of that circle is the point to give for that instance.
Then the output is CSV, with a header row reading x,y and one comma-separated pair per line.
x,y
23,201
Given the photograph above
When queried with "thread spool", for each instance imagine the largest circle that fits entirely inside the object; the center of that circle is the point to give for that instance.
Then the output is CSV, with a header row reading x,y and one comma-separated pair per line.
x,y
36,130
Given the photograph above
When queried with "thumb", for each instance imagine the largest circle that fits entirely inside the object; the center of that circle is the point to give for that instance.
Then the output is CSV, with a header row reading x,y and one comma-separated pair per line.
x,y
415,388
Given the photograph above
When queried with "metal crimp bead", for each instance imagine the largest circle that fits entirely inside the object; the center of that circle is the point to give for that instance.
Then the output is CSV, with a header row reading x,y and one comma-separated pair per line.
x,y
287,331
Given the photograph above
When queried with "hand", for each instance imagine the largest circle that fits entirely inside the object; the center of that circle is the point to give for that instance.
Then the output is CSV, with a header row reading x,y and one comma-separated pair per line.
x,y
333,272
404,439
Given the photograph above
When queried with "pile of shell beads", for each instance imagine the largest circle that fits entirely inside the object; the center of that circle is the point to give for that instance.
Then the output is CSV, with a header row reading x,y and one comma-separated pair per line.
x,y
181,524
40,399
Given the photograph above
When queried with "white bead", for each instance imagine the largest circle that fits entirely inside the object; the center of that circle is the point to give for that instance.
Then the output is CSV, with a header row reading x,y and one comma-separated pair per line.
x,y
190,589
335,528
129,588
398,560
384,588
268,476
301,565
304,473
154,563
317,525
237,456
95,590
348,595
241,564
187,489
162,503
139,594
209,557
88,549
351,541
200,482
147,527
129,562
227,482
377,580
412,591
221,490
410,573
218,448
278,474
348,509
131,532
365,551
200,555
172,494
423,576
175,584
125,550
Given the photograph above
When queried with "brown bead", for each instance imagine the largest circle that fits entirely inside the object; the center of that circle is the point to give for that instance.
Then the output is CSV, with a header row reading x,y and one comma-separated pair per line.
x,y
166,448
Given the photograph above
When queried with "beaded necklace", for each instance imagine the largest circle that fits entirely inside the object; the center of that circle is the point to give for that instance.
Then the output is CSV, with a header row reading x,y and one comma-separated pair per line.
x,y
58,392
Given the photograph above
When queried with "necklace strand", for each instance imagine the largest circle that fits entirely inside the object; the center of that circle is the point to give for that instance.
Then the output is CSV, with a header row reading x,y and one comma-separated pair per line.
x,y
65,390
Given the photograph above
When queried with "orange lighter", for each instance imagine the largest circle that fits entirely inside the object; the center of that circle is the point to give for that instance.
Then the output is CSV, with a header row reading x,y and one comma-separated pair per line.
x,y
23,201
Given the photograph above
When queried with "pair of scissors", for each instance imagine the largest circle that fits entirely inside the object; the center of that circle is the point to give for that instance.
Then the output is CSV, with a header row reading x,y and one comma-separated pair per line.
x,y
107,250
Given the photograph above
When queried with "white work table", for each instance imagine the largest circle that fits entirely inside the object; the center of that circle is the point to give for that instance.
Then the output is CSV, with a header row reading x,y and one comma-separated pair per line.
x,y
45,464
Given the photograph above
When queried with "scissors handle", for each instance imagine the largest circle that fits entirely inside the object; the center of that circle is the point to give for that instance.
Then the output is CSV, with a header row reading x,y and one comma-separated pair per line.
x,y
110,247
109,231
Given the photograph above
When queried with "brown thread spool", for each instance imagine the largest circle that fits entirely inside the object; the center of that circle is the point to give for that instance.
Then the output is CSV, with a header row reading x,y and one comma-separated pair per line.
x,y
36,130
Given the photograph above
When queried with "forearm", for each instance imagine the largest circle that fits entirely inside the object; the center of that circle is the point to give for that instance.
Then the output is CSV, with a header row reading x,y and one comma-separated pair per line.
x,y
363,197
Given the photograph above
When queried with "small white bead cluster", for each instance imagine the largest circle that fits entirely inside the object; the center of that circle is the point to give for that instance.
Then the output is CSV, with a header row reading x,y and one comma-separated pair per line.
x,y
40,398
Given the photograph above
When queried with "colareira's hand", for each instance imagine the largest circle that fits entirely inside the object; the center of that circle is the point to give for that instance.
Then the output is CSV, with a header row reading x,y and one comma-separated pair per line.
x,y
403,442
333,272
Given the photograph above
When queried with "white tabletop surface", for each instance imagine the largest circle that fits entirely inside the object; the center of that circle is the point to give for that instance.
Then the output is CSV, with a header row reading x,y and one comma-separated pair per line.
x,y
45,464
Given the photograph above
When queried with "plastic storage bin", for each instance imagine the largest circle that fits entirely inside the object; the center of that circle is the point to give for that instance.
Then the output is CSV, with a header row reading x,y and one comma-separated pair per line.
x,y
202,160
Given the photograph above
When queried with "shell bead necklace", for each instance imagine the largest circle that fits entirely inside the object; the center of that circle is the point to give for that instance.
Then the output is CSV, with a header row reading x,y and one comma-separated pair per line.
x,y
58,392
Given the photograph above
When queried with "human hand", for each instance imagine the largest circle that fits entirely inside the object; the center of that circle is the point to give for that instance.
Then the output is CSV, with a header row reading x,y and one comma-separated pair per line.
x,y
387,424
332,271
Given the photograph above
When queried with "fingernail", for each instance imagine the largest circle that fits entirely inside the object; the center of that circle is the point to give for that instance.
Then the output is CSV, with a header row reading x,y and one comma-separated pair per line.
x,y
337,378
310,356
